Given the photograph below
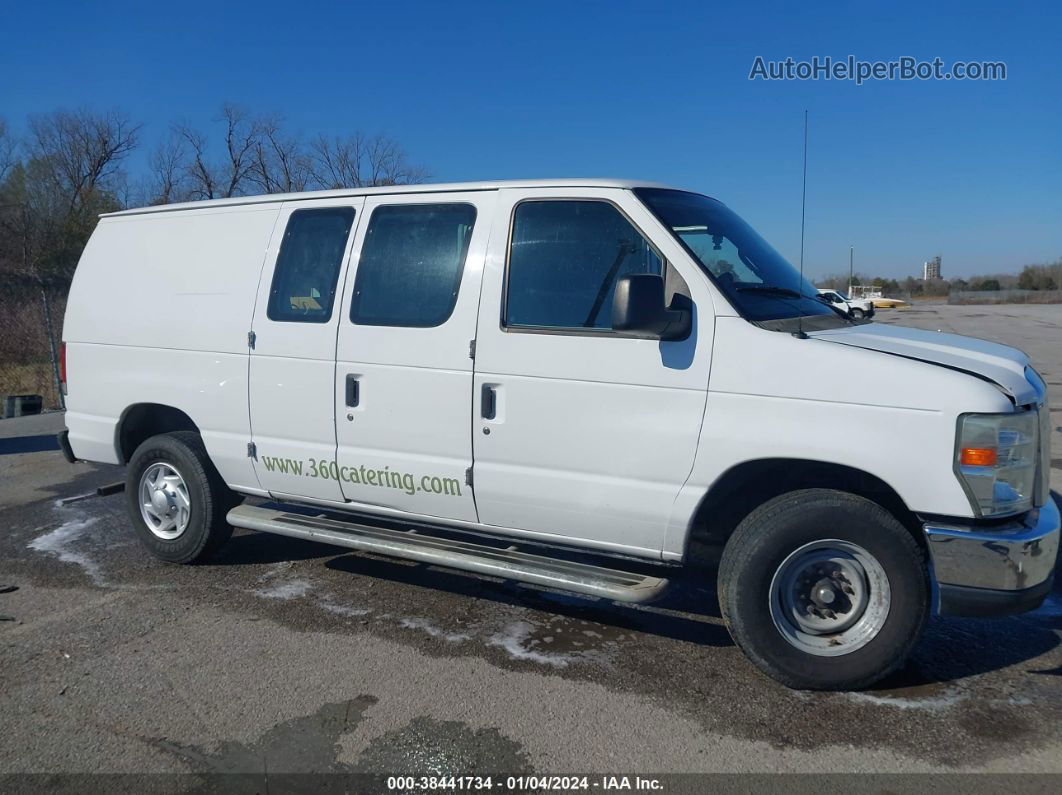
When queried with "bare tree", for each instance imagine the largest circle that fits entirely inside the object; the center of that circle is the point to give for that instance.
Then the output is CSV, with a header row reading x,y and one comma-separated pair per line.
x,y
201,174
257,155
356,161
80,152
8,147
230,176
168,166
281,164
387,164
242,134
336,162
49,200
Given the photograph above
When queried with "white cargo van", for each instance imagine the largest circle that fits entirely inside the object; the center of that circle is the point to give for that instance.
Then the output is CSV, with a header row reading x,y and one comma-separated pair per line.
x,y
491,376
855,308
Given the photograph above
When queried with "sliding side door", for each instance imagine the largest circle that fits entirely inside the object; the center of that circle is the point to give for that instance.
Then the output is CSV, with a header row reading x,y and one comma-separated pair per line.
x,y
403,373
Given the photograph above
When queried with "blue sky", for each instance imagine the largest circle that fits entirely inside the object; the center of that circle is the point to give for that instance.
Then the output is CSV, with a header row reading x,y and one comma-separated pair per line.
x,y
901,170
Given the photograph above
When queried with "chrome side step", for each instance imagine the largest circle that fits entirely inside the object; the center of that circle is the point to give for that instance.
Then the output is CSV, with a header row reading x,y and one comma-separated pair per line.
x,y
507,563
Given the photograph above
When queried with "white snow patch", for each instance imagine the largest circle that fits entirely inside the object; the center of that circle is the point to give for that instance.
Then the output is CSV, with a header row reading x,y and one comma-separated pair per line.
x,y
289,589
344,610
512,639
426,626
938,704
63,502
59,542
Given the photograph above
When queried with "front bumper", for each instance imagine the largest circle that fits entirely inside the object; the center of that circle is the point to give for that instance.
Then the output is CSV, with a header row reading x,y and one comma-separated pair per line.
x,y
994,571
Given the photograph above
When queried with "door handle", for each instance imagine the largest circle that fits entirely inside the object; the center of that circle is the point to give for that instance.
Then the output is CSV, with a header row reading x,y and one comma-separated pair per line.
x,y
353,390
488,402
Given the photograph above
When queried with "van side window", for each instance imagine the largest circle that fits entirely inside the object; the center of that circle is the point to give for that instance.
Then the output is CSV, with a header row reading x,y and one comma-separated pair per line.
x,y
564,260
411,263
304,280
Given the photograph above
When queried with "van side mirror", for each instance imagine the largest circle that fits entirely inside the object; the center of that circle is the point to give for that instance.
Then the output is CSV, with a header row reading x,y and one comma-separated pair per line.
x,y
638,308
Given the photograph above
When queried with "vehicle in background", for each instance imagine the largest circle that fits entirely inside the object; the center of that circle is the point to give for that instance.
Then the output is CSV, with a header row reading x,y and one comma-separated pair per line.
x,y
865,292
855,308
496,376
881,302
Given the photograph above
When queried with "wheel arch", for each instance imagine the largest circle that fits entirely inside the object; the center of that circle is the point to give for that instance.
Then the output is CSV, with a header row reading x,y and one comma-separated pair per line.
x,y
745,486
141,421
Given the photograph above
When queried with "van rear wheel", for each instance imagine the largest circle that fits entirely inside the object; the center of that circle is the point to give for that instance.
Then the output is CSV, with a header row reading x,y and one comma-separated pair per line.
x,y
176,499
824,590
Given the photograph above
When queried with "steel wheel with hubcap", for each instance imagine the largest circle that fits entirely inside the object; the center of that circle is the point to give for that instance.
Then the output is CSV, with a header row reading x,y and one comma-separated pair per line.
x,y
164,502
176,498
829,597
824,590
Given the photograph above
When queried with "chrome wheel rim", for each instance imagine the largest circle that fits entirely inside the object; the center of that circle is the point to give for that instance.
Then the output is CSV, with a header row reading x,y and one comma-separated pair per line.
x,y
830,597
164,502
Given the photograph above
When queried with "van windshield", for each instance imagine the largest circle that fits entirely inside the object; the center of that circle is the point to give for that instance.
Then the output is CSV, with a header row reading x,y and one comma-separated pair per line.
x,y
760,282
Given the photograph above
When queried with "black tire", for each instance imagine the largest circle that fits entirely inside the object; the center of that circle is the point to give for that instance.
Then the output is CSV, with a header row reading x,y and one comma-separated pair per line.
x,y
858,314
770,535
210,498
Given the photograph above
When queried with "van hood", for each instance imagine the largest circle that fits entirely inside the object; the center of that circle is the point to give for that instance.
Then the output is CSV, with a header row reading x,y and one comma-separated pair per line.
x,y
1001,364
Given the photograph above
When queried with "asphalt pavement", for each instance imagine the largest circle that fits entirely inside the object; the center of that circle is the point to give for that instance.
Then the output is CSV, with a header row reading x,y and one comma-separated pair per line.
x,y
284,656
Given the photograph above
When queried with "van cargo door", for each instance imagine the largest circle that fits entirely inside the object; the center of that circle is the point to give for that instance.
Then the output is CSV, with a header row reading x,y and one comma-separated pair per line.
x,y
292,350
403,379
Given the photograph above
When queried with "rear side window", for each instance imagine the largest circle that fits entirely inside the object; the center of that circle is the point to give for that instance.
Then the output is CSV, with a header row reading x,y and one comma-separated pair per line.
x,y
304,280
564,260
411,263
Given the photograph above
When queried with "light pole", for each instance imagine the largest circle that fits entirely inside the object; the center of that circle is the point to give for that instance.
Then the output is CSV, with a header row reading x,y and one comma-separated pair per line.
x,y
851,260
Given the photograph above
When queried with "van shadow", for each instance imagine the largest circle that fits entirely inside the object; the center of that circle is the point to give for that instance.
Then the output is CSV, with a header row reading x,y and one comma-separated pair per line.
x,y
951,650
957,648
247,547
679,615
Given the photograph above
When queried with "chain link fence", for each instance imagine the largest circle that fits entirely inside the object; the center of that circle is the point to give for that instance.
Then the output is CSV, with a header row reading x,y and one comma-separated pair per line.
x,y
31,319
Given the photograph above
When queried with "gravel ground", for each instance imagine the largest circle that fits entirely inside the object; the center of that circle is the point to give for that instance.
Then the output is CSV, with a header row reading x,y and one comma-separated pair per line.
x,y
288,656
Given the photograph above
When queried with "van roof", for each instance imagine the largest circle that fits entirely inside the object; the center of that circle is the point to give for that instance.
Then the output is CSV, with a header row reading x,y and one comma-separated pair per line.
x,y
445,187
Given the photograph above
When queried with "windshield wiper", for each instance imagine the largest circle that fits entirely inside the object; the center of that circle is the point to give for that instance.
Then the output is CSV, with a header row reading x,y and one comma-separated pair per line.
x,y
771,289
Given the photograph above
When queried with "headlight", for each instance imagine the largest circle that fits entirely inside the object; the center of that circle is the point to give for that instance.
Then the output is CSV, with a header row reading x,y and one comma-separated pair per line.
x,y
995,458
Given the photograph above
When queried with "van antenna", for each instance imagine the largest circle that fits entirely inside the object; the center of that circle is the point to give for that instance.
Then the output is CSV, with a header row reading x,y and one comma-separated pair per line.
x,y
799,333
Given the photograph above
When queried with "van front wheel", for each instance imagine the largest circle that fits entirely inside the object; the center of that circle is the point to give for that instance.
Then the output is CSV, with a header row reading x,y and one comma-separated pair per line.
x,y
176,499
824,590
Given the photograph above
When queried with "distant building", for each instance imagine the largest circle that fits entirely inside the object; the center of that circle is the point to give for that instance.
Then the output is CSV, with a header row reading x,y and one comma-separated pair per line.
x,y
931,269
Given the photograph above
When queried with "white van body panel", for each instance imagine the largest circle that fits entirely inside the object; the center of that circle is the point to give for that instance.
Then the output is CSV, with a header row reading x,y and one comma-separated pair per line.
x,y
415,389
606,442
292,372
388,190
158,313
593,435
999,363
771,402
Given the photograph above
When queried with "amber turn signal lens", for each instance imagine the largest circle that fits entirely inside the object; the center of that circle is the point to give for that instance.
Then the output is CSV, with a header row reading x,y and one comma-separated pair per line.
x,y
978,457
